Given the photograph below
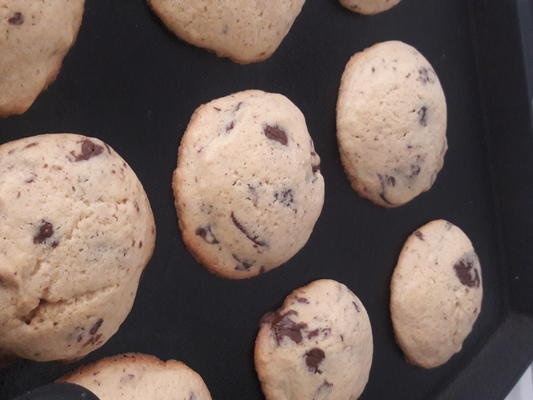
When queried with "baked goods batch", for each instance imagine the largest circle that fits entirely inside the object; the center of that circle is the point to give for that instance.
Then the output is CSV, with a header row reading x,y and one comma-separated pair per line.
x,y
77,228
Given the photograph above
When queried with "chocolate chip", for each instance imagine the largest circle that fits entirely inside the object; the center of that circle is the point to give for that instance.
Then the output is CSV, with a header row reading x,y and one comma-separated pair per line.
x,y
243,265
16,19
238,106
285,197
32,144
419,235
46,230
89,149
96,326
466,272
276,133
262,270
207,234
313,358
424,76
282,326
254,238
415,170
356,306
216,109
315,168
422,116
92,340
230,126
301,300
313,333
387,180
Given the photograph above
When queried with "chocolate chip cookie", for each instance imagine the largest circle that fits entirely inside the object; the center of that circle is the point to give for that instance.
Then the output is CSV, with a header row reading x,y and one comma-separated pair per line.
x,y
391,123
317,346
242,30
139,377
248,187
76,233
36,36
436,293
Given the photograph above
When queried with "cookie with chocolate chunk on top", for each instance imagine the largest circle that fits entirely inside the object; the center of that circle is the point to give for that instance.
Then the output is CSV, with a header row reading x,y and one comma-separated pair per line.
x,y
391,123
248,188
317,346
369,7
36,36
139,377
436,293
244,31
77,231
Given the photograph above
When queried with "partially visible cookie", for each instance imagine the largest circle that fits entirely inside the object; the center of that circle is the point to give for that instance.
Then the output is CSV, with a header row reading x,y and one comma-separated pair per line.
x,y
244,31
139,377
369,7
247,185
317,346
76,232
36,36
391,123
436,293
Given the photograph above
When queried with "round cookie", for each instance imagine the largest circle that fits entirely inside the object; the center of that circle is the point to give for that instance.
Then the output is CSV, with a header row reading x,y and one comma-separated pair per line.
x,y
317,346
248,187
436,293
369,7
36,36
244,31
391,123
76,233
139,377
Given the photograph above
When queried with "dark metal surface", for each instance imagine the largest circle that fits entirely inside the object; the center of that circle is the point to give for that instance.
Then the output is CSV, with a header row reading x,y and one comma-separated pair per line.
x,y
134,85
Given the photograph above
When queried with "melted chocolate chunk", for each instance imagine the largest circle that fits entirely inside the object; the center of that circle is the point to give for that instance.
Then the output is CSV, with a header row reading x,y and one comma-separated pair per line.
x,y
96,326
466,272
356,306
422,116
262,270
92,340
46,230
207,234
253,238
282,326
238,106
32,144
88,150
285,197
419,235
276,133
313,358
16,19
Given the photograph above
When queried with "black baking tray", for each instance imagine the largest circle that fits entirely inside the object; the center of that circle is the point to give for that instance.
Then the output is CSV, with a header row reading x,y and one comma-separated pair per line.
x,y
133,84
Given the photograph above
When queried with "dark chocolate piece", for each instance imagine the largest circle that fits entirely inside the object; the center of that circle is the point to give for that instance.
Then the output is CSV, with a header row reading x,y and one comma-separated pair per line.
x,y
254,238
276,133
89,150
16,19
313,358
466,272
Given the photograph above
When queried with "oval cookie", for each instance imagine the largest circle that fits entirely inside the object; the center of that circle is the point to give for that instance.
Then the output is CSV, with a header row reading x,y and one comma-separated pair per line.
x,y
436,293
369,7
139,377
391,123
317,346
244,31
36,36
77,231
248,186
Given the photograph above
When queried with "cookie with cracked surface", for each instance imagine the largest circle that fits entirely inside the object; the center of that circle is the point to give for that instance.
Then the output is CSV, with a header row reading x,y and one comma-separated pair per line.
x,y
391,123
36,36
317,346
77,230
248,188
242,30
139,377
436,293
369,7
